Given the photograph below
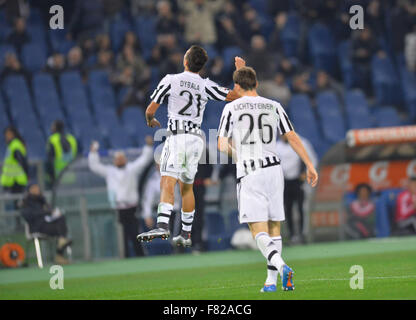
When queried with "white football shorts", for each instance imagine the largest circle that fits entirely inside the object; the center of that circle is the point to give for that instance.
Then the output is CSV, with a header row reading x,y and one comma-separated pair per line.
x,y
180,156
260,195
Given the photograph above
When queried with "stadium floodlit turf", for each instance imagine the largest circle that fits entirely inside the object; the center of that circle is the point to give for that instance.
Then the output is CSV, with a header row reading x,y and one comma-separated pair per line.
x,y
321,272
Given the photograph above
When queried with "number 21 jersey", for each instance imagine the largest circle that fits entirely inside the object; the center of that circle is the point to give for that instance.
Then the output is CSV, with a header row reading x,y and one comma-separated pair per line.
x,y
187,94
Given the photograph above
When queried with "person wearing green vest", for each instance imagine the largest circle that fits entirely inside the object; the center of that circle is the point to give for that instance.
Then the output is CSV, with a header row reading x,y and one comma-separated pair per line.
x,y
61,149
14,176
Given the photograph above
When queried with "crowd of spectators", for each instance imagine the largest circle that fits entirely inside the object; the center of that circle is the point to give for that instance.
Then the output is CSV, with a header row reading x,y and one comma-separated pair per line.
x,y
216,24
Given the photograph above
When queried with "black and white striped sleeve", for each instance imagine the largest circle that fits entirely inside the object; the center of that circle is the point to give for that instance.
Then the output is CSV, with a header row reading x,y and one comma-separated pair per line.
x,y
284,123
162,90
215,92
226,123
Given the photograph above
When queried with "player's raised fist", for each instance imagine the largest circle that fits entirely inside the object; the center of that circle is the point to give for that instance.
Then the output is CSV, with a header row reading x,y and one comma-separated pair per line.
x,y
154,123
239,62
149,140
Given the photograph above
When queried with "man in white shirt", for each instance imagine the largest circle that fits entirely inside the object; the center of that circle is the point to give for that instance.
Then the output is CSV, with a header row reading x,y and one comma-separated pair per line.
x,y
122,185
295,176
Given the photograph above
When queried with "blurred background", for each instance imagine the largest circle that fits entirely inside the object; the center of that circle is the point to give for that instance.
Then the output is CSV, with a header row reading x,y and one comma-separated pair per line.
x,y
96,76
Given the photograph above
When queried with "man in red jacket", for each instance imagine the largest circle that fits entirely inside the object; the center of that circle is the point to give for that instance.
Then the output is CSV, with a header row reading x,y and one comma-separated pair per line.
x,y
405,217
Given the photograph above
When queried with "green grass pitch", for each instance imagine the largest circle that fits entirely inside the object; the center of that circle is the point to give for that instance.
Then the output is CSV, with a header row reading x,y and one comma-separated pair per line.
x,y
321,272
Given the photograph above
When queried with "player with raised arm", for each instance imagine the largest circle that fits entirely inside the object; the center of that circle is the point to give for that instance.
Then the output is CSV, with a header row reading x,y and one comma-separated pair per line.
x,y
188,94
248,132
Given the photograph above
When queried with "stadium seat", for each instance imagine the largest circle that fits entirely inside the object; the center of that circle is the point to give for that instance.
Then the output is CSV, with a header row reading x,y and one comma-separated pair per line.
x,y
118,29
386,117
322,48
218,239
46,96
34,56
145,29
101,91
385,209
331,118
290,35
59,42
408,82
357,111
385,81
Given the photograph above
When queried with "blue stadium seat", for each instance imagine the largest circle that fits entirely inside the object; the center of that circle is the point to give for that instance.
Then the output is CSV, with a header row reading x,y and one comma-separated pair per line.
x,y
386,117
101,91
332,121
145,29
120,139
74,96
385,80
385,209
34,56
218,239
322,48
118,29
345,63
290,35
58,41
357,111
46,96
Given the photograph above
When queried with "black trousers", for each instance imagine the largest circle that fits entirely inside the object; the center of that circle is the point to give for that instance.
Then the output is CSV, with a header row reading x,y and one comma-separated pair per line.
x,y
56,228
198,223
130,224
293,195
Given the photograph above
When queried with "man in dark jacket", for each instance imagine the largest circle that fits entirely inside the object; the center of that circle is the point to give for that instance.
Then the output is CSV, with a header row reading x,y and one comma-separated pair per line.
x,y
41,218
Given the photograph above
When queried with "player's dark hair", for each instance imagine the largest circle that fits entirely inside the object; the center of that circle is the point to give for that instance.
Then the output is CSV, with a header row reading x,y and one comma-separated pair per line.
x,y
196,57
246,78
412,178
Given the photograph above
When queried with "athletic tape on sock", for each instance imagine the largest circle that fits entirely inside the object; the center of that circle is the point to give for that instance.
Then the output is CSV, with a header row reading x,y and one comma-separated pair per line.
x,y
164,211
187,220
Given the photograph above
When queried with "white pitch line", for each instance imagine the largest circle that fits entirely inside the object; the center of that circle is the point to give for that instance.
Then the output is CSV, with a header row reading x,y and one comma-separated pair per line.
x,y
259,285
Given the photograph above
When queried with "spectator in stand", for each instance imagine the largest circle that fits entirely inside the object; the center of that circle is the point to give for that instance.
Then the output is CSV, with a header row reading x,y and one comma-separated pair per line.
x,y
301,84
86,20
130,40
145,7
401,24
75,60
174,63
166,22
104,61
375,18
250,24
324,82
275,89
275,40
12,66
103,42
287,67
42,218
261,59
364,46
405,217
122,183
228,31
55,65
200,20
133,72
360,214
19,35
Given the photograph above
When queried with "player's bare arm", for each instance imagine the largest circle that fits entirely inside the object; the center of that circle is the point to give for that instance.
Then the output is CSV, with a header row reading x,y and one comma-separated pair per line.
x,y
297,145
150,115
233,94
